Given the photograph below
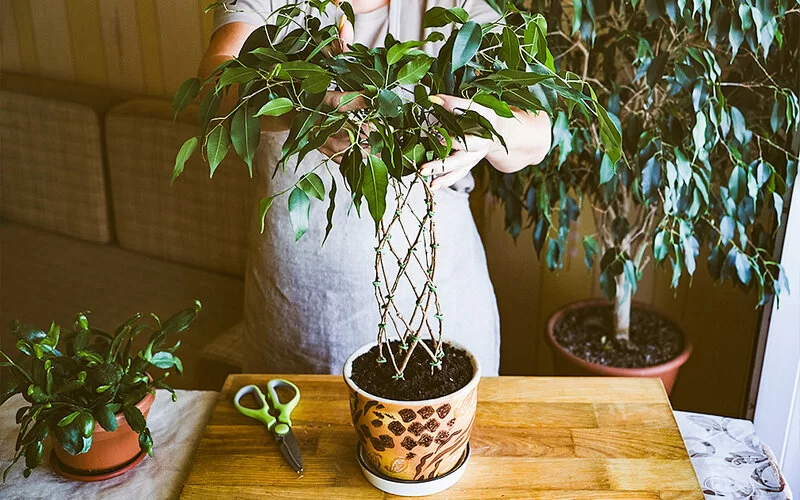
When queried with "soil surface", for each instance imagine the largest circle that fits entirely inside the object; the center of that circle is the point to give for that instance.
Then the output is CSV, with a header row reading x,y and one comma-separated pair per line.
x,y
419,382
588,333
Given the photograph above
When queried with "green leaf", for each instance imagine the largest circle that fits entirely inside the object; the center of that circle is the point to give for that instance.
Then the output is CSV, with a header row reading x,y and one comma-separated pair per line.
x,y
299,212
660,247
313,186
493,103
236,75
590,250
68,419
217,147
511,51
263,208
186,151
727,227
146,441
245,134
134,418
389,104
276,107
656,69
610,135
398,51
33,454
315,84
208,109
742,264
185,94
439,16
375,186
331,209
699,136
606,169
106,418
466,45
414,70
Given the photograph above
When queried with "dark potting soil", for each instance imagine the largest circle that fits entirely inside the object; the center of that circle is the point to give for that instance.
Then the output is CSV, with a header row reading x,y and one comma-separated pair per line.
x,y
588,333
418,381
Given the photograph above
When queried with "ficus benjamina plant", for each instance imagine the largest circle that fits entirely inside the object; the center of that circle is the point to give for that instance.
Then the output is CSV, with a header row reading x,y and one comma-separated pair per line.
x,y
72,379
705,93
286,68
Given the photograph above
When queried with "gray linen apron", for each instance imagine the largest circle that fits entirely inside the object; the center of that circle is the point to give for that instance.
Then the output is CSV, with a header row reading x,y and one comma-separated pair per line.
x,y
307,306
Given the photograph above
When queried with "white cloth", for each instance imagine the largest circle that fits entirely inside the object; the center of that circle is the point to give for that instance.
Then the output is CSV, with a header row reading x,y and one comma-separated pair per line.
x,y
729,459
176,428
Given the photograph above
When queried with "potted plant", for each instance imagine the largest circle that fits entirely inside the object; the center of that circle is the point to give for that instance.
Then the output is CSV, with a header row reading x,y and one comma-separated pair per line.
x,y
89,392
413,394
705,94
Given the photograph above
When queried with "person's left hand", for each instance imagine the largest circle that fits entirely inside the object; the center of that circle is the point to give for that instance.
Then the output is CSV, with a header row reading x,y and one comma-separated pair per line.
x,y
527,135
465,154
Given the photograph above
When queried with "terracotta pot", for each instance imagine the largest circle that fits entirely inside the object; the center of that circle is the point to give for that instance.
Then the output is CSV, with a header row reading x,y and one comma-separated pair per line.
x,y
413,440
567,363
110,451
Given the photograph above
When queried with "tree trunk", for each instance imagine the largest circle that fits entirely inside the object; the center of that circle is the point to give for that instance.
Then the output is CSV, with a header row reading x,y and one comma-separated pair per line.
x,y
622,310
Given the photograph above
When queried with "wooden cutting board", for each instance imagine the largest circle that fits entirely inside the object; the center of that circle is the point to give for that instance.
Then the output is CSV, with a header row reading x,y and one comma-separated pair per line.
x,y
534,438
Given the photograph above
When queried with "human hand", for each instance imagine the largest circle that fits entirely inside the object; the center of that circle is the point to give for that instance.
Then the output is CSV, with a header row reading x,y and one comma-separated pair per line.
x,y
527,137
467,153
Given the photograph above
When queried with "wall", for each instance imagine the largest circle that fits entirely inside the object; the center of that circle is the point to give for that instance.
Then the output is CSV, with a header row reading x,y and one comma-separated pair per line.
x,y
150,46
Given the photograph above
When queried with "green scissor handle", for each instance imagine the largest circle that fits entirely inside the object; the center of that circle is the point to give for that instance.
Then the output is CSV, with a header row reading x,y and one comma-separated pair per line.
x,y
281,422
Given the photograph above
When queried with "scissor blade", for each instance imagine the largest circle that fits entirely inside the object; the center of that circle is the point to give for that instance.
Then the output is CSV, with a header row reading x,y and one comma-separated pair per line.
x,y
291,450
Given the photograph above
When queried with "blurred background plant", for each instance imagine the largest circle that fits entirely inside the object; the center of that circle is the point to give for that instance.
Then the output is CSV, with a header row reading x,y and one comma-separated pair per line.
x,y
705,93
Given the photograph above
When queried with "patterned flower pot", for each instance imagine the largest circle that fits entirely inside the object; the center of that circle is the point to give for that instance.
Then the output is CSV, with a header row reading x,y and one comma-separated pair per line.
x,y
566,363
111,454
413,440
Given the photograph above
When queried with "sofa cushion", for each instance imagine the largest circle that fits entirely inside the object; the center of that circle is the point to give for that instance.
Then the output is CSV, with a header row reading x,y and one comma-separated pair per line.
x,y
52,166
47,277
196,221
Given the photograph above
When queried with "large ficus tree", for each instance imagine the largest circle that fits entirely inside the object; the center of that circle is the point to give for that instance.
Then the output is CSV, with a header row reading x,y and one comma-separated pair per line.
x,y
286,69
705,93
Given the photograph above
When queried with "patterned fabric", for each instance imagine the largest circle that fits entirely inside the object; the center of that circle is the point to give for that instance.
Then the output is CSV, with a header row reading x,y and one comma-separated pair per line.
x,y
196,221
52,166
730,460
47,277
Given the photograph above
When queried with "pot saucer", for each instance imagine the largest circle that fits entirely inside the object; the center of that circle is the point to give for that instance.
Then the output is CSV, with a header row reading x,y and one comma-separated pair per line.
x,y
69,473
407,488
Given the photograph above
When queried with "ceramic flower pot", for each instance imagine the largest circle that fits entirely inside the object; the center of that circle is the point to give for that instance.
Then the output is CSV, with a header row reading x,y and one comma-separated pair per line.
x,y
566,363
413,440
111,454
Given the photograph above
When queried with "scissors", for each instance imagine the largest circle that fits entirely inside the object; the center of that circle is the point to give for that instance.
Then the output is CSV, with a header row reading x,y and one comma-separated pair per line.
x,y
276,416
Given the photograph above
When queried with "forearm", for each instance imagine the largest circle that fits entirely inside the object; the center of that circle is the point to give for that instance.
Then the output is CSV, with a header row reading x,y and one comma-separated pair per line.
x,y
528,137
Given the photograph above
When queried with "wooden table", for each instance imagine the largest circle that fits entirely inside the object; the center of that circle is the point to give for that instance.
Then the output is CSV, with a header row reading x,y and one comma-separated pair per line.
x,y
534,438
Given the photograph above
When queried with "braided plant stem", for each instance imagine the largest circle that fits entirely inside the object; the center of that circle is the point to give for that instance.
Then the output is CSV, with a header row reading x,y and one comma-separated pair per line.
x,y
408,332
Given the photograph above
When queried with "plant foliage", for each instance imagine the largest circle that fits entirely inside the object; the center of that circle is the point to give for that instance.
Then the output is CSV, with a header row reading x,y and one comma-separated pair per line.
x,y
705,93
287,68
75,378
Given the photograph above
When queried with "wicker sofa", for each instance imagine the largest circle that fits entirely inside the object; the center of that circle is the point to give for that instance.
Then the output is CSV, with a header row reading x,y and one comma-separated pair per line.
x,y
90,221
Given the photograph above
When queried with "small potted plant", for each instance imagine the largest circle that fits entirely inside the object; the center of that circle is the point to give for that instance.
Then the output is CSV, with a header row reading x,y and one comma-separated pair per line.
x,y
89,392
705,94
413,394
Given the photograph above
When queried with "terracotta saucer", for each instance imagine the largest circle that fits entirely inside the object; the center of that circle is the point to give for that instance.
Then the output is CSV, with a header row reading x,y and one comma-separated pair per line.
x,y
67,472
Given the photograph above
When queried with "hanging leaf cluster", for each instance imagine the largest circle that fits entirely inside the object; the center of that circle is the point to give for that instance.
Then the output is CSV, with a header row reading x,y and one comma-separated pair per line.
x,y
706,96
286,68
72,379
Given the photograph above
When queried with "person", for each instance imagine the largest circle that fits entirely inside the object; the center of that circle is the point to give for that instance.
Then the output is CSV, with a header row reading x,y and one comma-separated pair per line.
x,y
307,306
